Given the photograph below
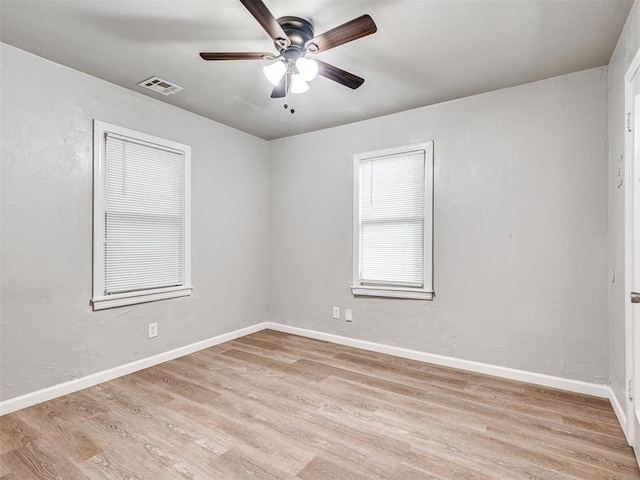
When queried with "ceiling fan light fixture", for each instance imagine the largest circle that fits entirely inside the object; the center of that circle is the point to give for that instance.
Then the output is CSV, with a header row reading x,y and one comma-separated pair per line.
x,y
298,85
274,72
308,68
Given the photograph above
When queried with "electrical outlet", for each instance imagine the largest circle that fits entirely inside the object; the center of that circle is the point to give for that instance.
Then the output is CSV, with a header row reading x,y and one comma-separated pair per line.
x,y
348,315
336,313
153,330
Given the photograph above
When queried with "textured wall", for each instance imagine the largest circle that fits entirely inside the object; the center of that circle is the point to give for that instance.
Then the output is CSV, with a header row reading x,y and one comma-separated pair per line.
x,y
49,334
623,55
520,227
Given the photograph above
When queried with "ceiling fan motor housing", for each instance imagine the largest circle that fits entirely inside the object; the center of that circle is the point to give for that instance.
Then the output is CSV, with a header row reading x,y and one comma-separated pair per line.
x,y
299,31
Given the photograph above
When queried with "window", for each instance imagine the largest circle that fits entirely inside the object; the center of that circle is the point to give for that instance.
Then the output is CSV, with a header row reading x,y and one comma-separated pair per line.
x,y
141,218
393,229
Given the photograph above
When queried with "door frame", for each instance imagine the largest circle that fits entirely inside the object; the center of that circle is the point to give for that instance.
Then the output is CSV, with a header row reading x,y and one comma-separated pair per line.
x,y
629,185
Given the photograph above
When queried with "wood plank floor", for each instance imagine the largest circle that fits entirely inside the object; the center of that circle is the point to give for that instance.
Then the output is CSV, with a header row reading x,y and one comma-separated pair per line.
x,y
276,406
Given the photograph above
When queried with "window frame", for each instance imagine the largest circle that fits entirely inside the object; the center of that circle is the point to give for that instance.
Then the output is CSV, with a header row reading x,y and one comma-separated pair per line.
x,y
420,293
99,300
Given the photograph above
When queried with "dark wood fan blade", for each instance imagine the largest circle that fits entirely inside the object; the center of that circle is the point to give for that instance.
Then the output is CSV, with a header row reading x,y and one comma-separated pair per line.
x,y
235,55
265,18
338,75
281,90
347,32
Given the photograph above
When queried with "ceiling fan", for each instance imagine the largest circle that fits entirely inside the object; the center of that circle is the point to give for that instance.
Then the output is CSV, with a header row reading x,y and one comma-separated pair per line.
x,y
294,38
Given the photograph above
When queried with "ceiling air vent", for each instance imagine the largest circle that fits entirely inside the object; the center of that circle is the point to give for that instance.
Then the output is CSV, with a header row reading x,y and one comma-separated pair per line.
x,y
160,86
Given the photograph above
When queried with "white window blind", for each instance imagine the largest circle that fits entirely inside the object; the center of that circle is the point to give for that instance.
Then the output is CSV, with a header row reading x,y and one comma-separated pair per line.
x,y
144,216
392,222
141,218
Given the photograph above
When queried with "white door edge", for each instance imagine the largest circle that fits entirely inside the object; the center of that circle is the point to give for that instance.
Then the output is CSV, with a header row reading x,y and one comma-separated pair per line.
x,y
632,433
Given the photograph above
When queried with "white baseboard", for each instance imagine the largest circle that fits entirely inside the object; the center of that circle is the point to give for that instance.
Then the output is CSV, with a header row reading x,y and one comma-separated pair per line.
x,y
30,399
39,396
577,386
620,412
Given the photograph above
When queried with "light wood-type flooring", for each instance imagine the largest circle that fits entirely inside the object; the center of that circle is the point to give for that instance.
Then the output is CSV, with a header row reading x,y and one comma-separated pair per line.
x,y
275,406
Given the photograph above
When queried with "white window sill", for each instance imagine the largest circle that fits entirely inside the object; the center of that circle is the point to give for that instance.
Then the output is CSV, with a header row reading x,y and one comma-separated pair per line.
x,y
391,292
131,298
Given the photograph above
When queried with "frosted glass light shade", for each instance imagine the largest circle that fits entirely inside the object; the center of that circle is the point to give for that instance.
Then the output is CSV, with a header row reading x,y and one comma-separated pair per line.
x,y
298,85
274,72
308,68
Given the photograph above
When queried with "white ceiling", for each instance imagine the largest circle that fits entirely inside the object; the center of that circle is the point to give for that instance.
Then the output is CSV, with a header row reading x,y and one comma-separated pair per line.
x,y
425,51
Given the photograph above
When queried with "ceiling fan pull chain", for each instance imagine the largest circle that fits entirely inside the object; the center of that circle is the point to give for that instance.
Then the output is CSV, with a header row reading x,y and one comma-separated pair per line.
x,y
289,102
286,105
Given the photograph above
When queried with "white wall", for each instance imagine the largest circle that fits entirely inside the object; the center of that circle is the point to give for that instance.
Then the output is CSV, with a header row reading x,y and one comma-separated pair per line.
x,y
49,332
626,49
520,229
